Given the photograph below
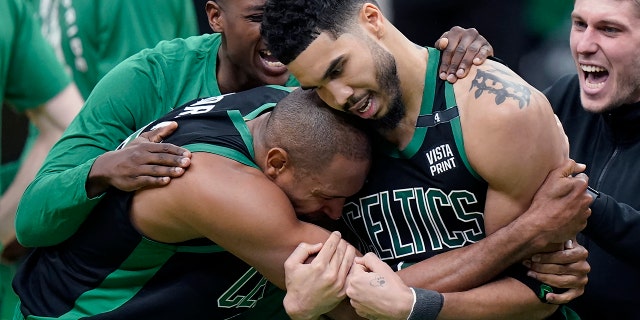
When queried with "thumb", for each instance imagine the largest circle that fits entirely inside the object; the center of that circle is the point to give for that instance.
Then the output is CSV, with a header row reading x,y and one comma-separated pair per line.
x,y
160,131
303,251
372,263
442,43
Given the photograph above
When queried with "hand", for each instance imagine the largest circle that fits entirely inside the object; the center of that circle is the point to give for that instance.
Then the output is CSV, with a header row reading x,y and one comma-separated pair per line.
x,y
460,47
144,162
566,268
376,292
316,287
560,207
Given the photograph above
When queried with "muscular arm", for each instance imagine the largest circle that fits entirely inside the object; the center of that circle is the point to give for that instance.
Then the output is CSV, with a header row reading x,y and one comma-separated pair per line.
x,y
513,144
242,211
50,119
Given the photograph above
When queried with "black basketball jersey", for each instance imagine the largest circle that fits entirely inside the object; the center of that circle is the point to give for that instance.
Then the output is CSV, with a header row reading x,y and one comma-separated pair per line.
x,y
425,199
108,270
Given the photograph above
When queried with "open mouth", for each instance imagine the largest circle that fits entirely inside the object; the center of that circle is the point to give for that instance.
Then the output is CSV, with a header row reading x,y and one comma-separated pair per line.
x,y
270,60
366,106
595,76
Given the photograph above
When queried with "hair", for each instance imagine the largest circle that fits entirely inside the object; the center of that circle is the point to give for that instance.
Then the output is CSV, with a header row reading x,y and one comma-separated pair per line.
x,y
289,26
313,134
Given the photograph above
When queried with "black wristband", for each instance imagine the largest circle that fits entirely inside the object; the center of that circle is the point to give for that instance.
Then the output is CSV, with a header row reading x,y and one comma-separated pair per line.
x,y
427,305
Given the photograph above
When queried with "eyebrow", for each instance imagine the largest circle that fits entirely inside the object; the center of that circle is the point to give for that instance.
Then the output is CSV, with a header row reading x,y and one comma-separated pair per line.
x,y
327,73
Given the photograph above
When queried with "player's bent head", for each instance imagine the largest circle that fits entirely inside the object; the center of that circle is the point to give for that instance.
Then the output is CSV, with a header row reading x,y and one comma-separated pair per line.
x,y
313,134
289,26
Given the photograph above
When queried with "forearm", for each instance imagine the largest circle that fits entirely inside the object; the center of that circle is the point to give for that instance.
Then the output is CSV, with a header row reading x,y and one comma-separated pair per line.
x,y
53,206
503,299
28,169
615,227
470,266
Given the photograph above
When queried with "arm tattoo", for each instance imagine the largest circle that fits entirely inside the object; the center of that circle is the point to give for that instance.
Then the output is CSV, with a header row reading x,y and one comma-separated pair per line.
x,y
491,82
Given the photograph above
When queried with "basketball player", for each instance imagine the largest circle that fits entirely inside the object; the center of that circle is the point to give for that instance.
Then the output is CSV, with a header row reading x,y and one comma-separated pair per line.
x,y
455,163
202,246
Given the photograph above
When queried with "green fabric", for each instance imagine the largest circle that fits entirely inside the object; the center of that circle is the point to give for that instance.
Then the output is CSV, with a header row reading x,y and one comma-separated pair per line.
x,y
93,36
568,313
29,72
134,93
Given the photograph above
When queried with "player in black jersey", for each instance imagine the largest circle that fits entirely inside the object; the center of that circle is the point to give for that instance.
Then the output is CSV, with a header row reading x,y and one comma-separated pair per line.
x,y
454,163
202,246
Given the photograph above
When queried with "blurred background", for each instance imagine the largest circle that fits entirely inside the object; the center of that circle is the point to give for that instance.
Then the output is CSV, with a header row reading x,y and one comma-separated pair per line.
x,y
530,36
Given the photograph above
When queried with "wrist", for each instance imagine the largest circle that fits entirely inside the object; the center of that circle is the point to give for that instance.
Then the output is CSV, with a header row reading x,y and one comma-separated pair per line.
x,y
594,195
426,305
96,183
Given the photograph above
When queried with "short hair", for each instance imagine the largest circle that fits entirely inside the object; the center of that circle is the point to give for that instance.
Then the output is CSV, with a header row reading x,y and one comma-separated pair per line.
x,y
289,26
313,134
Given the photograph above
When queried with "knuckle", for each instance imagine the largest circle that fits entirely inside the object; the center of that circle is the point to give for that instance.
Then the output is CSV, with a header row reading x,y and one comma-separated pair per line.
x,y
461,49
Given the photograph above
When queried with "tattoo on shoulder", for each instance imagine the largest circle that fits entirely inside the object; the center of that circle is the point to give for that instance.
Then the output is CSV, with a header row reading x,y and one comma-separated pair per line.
x,y
377,281
497,82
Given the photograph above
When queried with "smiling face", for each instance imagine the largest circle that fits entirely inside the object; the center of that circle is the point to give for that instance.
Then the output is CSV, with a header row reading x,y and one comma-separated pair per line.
x,y
244,59
605,37
352,74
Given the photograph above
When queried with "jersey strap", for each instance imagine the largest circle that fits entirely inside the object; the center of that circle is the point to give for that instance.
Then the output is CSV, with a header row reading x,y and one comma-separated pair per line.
x,y
438,117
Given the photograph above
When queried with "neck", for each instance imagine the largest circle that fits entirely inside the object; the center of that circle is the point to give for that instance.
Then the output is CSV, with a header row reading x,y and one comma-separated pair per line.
x,y
411,61
257,127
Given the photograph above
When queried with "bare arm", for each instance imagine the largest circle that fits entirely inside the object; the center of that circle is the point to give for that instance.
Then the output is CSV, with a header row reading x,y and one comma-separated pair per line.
x,y
512,143
51,119
243,211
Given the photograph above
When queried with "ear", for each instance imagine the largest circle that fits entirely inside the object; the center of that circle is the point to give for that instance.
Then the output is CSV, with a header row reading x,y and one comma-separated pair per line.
x,y
214,15
277,162
372,19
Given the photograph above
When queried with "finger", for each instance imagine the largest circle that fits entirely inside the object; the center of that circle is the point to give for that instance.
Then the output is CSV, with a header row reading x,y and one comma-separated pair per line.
x,y
566,256
142,172
442,42
152,155
301,253
485,52
167,148
160,131
463,57
565,297
328,248
337,257
374,264
140,182
347,262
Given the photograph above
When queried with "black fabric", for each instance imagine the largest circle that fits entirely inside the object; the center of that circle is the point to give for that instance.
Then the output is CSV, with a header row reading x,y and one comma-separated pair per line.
x,y
428,305
609,144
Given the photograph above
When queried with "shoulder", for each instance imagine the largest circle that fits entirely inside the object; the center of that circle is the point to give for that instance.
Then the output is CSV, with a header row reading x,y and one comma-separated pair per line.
x,y
504,120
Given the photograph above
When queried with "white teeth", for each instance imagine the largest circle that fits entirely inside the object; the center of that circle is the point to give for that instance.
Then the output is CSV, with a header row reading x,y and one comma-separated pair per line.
x,y
594,85
587,68
366,106
274,63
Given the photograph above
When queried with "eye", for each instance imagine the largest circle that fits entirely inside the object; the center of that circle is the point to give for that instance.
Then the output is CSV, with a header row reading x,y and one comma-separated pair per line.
x,y
336,72
580,25
610,30
255,18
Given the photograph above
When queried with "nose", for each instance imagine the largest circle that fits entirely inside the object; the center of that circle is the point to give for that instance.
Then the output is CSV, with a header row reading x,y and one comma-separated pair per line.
x,y
336,94
333,208
587,41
